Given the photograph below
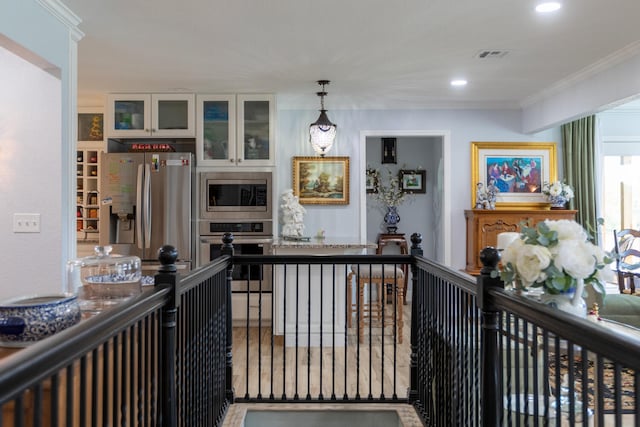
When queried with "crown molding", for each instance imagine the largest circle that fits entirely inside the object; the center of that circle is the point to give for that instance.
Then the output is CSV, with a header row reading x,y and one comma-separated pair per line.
x,y
64,15
598,67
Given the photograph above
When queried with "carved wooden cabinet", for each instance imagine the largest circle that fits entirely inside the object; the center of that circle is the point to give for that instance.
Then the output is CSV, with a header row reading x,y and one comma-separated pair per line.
x,y
483,227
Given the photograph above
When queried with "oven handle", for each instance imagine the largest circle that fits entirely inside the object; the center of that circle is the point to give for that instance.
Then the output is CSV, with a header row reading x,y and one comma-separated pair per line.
x,y
238,240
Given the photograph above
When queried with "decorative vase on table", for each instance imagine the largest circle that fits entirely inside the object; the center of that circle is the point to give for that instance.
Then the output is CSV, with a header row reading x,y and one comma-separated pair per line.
x,y
391,219
570,301
558,202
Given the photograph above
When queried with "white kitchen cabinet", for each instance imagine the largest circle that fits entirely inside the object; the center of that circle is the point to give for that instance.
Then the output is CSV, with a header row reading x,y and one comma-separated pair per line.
x,y
235,130
166,115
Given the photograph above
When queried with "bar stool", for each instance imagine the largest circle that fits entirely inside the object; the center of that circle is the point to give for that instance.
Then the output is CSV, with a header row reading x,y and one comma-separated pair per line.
x,y
376,275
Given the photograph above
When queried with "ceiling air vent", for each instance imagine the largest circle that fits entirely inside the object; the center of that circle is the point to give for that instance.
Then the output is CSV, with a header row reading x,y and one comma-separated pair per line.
x,y
491,54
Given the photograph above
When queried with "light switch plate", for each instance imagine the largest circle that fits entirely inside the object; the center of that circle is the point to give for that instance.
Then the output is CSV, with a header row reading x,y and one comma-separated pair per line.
x,y
26,223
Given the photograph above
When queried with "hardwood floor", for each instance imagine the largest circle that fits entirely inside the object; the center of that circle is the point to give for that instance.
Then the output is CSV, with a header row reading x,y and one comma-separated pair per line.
x,y
311,371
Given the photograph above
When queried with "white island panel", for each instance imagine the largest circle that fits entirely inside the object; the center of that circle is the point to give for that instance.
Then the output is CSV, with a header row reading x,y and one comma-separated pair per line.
x,y
313,297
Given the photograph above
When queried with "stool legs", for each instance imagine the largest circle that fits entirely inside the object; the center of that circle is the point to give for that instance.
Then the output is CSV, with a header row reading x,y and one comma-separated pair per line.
x,y
376,305
400,302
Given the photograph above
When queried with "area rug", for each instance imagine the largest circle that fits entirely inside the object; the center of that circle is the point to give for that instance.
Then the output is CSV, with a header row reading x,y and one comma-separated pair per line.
x,y
608,389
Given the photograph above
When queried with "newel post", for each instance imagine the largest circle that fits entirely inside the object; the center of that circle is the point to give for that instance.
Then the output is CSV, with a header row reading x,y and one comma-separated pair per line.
x,y
491,369
416,307
167,276
227,249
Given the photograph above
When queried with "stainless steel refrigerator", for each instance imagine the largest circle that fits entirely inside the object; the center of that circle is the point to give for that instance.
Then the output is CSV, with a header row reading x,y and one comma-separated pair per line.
x,y
146,202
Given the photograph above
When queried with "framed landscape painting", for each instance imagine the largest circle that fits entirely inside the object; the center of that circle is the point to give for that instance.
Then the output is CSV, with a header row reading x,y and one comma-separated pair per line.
x,y
413,181
517,169
321,180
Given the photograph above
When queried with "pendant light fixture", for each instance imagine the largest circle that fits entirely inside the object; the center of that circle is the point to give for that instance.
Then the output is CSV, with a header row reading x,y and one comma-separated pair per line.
x,y
322,133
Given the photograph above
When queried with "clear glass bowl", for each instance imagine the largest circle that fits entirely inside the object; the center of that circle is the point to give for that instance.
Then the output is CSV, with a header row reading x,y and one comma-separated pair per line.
x,y
103,280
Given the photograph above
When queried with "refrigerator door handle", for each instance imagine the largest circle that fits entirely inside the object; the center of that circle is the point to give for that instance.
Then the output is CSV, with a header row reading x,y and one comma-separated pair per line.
x,y
147,206
139,207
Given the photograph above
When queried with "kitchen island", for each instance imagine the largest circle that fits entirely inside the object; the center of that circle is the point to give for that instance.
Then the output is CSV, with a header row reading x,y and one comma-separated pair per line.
x,y
313,296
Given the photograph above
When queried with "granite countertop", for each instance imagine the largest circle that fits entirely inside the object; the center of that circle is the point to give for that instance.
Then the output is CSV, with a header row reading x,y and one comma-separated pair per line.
x,y
328,242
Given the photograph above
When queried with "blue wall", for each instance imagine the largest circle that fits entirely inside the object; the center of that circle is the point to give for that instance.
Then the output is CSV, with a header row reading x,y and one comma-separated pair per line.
x,y
464,127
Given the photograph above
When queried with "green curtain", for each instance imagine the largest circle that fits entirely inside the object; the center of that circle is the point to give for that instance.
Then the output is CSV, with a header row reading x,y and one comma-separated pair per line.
x,y
579,162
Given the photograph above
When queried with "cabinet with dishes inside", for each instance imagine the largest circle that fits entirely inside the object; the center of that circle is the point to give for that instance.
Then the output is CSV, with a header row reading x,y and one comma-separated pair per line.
x,y
235,130
150,115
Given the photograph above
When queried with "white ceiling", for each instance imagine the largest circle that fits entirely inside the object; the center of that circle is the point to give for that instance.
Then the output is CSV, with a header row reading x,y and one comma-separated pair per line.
x,y
377,54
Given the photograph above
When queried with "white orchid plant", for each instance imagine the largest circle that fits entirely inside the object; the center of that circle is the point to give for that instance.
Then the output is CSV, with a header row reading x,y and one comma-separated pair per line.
x,y
557,189
554,255
387,188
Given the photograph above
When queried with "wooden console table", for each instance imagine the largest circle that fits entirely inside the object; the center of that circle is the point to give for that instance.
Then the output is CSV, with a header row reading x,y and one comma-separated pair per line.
x,y
483,227
398,239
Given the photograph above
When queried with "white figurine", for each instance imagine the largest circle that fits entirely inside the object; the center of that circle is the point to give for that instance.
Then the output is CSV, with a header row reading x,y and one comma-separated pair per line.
x,y
481,196
292,215
492,193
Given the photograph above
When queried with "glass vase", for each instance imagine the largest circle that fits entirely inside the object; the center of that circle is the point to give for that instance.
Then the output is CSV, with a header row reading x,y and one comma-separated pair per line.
x,y
570,301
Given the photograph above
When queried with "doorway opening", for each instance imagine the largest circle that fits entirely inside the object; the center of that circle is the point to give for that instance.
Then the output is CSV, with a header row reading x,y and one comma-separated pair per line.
x,y
426,213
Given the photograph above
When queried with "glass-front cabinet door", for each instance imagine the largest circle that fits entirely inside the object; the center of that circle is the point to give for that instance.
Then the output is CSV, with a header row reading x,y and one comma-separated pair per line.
x,y
151,115
235,130
256,133
216,130
173,115
128,115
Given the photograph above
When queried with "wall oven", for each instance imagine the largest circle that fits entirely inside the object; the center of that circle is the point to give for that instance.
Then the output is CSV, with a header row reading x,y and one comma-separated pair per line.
x,y
250,238
235,195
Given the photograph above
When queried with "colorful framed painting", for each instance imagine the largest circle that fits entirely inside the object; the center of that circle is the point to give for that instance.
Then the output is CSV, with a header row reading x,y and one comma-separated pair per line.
x,y
321,180
517,169
413,181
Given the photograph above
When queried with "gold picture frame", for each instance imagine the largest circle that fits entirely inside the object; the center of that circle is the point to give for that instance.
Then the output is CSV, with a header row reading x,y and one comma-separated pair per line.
x,y
518,169
321,180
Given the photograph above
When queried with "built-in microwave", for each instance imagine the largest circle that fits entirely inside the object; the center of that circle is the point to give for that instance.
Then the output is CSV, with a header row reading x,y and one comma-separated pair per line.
x,y
235,195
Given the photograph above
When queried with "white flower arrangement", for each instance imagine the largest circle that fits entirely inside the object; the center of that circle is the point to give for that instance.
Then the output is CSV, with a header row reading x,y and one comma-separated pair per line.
x,y
292,215
557,189
387,191
554,256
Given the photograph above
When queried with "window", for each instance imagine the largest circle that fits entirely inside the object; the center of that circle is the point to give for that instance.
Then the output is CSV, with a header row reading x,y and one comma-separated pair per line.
x,y
620,193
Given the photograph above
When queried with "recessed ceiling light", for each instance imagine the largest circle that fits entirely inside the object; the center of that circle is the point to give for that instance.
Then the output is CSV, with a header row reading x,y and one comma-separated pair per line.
x,y
550,6
458,82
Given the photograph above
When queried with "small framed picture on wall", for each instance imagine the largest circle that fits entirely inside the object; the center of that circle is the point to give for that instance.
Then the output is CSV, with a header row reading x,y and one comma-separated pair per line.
x,y
389,150
413,181
371,181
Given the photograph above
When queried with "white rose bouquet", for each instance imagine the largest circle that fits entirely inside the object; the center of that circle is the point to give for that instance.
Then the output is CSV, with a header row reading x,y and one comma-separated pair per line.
x,y
557,189
554,256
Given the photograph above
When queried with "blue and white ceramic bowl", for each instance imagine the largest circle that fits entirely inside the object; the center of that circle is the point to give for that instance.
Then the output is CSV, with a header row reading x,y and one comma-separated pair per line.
x,y
25,320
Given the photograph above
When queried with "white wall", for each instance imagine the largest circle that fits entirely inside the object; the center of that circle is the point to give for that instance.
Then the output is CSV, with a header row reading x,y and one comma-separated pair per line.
x,y
37,148
30,174
464,126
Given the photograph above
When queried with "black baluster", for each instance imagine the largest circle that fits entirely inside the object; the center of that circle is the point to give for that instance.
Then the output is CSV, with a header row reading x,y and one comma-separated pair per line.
x,y
490,357
227,249
167,276
416,250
